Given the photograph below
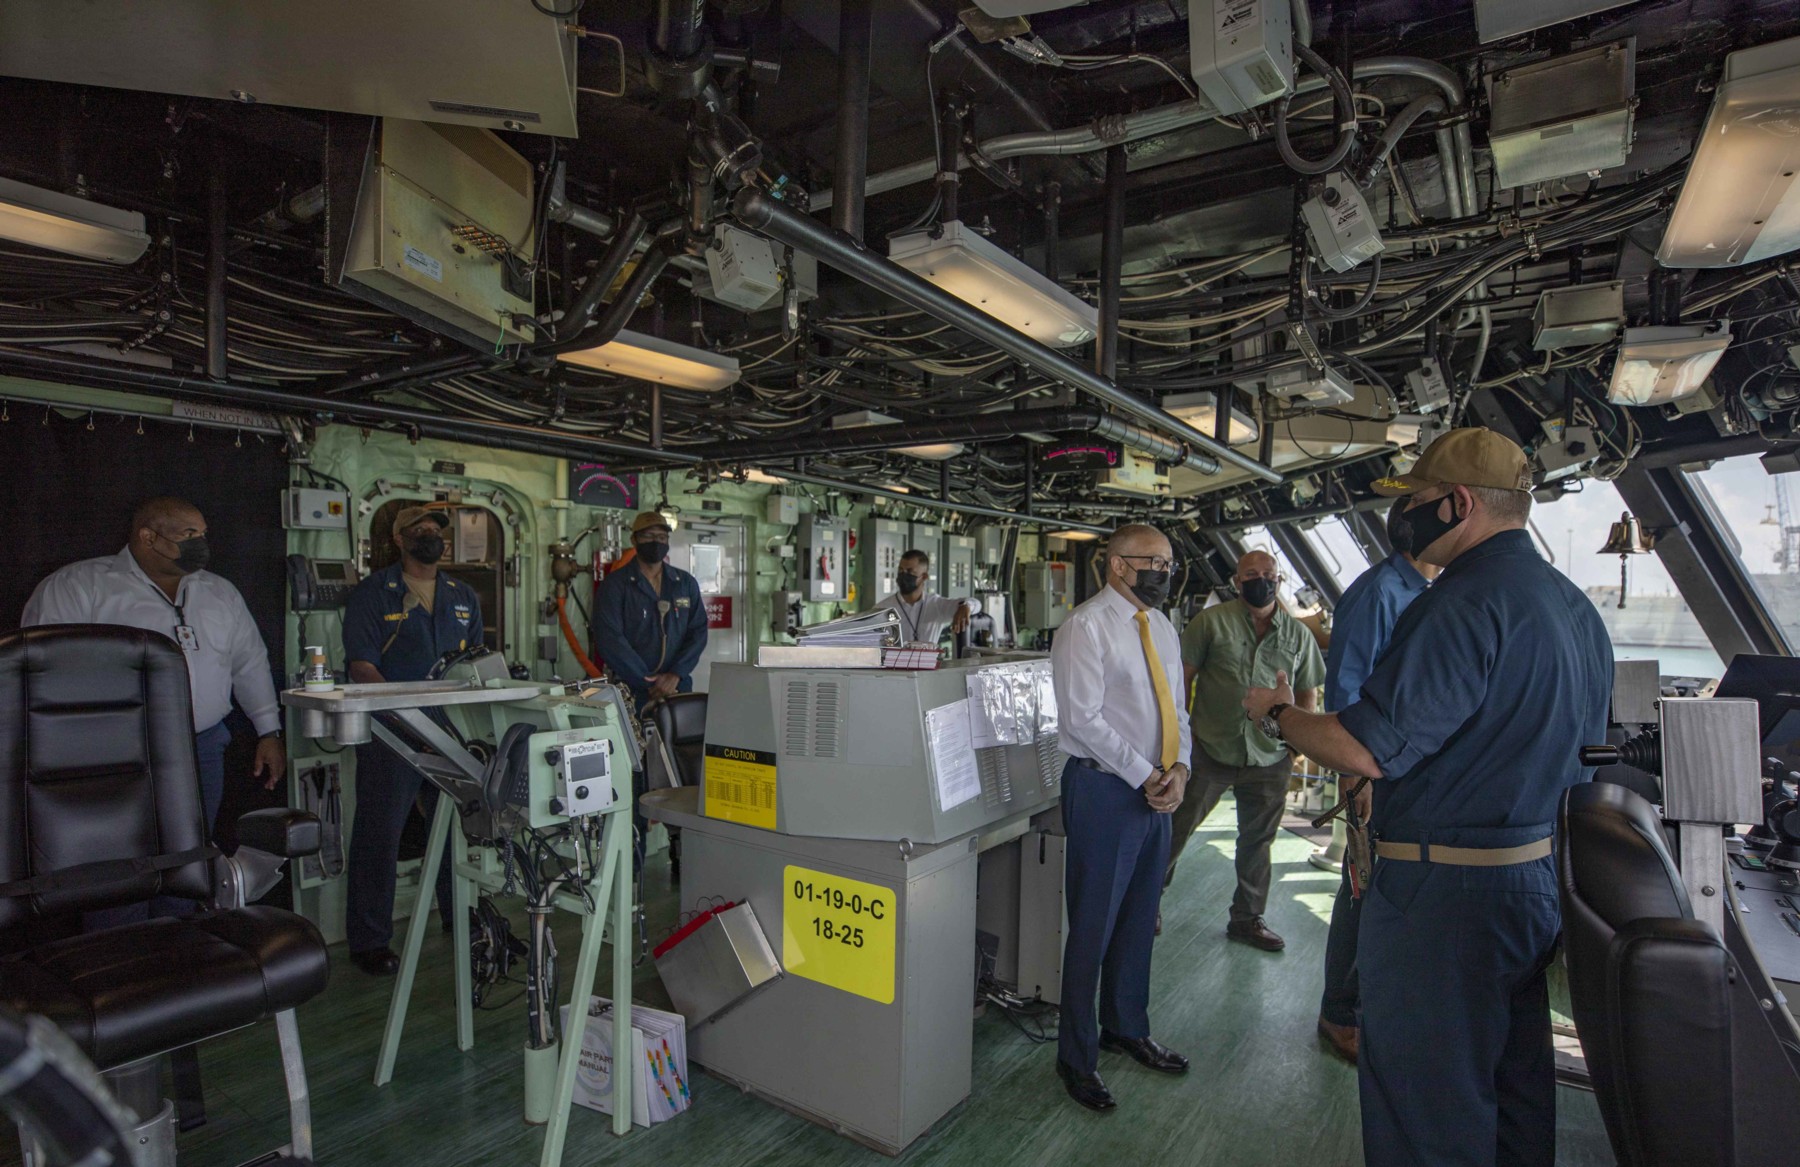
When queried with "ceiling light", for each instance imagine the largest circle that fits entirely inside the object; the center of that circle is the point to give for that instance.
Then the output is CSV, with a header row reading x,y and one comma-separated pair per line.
x,y
961,262
1659,365
1740,202
933,452
60,222
651,358
1201,410
1074,536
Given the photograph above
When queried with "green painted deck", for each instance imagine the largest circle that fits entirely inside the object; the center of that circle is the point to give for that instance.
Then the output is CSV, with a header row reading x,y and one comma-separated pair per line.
x,y
1261,1090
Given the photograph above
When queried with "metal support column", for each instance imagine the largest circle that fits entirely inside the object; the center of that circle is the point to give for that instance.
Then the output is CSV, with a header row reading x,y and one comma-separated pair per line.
x,y
217,367
850,169
1112,262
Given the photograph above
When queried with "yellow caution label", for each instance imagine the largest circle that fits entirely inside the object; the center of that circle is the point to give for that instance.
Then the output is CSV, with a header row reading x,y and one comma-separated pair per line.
x,y
839,932
740,786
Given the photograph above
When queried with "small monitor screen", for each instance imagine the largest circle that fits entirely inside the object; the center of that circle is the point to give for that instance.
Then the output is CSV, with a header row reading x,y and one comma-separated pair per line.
x,y
1774,681
589,767
329,572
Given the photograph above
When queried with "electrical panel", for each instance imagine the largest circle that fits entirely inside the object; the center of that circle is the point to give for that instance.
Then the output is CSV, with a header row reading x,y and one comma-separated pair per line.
x,y
929,538
314,510
1135,475
1429,389
1318,387
1578,316
581,776
1564,448
1342,228
1047,594
824,558
1567,116
744,270
783,509
990,545
878,558
957,580
1241,52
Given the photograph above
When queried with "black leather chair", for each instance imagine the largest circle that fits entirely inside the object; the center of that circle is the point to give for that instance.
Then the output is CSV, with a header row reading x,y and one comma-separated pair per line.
x,y
100,808
1679,1026
681,720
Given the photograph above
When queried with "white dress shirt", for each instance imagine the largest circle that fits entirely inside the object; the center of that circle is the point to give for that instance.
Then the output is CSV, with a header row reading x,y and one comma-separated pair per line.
x,y
229,656
924,622
1105,703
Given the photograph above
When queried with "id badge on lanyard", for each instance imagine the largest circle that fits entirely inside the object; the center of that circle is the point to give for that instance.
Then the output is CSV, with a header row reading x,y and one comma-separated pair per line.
x,y
185,637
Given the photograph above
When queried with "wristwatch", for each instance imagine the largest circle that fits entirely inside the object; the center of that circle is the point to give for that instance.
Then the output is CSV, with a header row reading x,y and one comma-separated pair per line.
x,y
1271,721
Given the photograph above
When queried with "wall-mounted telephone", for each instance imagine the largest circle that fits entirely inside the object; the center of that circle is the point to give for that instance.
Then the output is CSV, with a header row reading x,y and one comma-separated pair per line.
x,y
318,584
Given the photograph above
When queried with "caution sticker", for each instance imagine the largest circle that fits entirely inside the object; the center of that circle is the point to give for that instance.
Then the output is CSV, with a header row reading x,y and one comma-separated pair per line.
x,y
839,932
740,786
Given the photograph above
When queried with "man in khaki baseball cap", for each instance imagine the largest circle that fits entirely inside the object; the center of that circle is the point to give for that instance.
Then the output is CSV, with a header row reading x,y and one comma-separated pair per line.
x,y
1471,724
1470,484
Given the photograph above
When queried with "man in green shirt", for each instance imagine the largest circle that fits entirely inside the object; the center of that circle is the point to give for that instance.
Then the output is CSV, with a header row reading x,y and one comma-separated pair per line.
x,y
1229,649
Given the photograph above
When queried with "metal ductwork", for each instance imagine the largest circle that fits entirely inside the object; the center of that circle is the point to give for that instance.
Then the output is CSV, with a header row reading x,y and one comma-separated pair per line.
x,y
756,210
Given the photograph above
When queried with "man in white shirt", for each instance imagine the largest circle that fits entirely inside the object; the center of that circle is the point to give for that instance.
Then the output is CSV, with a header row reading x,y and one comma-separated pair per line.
x,y
159,582
923,614
1116,662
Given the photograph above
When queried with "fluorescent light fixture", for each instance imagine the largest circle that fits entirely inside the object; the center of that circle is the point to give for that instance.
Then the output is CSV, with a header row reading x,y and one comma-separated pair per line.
x,y
1201,410
1074,536
60,222
861,417
1740,202
755,475
651,358
960,261
933,452
1659,365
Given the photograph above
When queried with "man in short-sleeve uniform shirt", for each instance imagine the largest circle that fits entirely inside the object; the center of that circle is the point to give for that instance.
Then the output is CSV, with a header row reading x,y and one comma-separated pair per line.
x,y
1472,720
1225,650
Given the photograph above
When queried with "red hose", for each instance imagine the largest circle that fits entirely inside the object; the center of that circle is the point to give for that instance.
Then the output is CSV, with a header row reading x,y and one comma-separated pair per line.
x,y
568,631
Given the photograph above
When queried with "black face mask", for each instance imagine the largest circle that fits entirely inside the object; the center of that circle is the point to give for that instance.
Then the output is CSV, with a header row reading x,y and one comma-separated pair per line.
x,y
907,582
652,551
426,548
1257,592
1152,587
194,554
1427,528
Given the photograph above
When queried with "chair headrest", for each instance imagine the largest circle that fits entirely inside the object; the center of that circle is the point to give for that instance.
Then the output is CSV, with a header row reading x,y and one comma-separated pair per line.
x,y
1612,857
682,718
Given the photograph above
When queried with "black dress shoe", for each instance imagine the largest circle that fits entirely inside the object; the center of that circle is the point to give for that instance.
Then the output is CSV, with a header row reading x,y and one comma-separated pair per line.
x,y
1086,1089
1255,933
377,962
1146,1051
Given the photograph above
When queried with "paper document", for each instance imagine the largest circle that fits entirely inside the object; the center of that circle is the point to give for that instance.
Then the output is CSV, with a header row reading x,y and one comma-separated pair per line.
x,y
952,754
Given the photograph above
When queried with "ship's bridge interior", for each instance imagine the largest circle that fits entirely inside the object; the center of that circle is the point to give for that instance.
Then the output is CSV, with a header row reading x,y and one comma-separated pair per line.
x,y
354,354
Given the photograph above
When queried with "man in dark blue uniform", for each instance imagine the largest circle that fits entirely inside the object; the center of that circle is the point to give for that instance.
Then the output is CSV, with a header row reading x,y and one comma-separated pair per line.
x,y
650,620
1362,624
1472,719
398,622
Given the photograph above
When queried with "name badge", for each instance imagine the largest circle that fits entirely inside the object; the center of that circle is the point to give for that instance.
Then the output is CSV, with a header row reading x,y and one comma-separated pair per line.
x,y
683,602
185,637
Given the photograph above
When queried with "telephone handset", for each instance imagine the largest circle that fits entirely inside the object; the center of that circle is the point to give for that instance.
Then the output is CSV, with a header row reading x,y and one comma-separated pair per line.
x,y
318,584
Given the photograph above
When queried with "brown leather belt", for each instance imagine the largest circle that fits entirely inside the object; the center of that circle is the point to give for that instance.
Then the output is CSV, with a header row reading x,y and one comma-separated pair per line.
x,y
1465,856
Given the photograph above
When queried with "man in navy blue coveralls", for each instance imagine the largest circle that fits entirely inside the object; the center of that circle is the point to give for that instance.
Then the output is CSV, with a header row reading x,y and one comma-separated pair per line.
x,y
398,622
1494,679
650,618
1362,624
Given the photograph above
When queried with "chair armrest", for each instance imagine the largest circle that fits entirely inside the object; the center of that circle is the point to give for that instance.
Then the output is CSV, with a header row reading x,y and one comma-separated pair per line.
x,y
281,831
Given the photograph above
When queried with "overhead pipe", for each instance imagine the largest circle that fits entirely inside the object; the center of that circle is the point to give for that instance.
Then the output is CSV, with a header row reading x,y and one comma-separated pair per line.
x,y
856,34
558,209
929,503
493,434
985,427
1455,147
578,314
785,225
680,52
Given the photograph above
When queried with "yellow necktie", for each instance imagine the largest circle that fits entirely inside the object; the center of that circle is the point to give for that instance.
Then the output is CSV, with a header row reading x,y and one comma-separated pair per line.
x,y
1165,702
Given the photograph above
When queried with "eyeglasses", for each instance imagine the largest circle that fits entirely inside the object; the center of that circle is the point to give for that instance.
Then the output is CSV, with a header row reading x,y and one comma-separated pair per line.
x,y
1155,562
